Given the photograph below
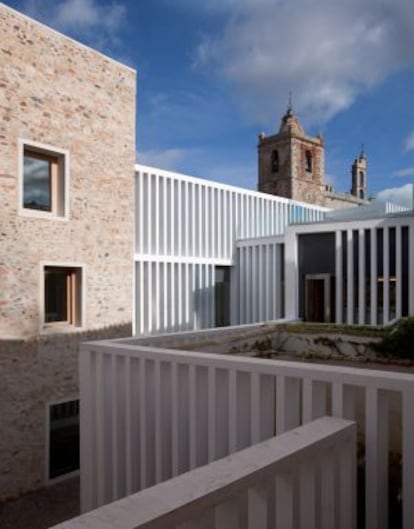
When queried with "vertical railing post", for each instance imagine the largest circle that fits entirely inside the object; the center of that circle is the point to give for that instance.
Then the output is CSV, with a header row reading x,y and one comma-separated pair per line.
x,y
338,277
376,456
287,403
87,384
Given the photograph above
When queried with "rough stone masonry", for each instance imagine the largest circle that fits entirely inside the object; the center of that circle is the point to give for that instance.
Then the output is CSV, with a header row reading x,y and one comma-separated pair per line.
x,y
59,93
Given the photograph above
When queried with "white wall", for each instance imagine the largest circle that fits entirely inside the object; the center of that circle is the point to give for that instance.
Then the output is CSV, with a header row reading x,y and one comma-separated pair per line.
x,y
185,227
361,298
258,292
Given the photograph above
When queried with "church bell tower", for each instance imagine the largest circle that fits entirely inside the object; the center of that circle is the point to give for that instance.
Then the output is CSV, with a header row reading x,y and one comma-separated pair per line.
x,y
291,164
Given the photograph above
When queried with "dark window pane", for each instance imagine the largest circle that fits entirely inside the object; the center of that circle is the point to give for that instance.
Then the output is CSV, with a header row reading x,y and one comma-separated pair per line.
x,y
64,438
36,183
56,300
275,162
222,296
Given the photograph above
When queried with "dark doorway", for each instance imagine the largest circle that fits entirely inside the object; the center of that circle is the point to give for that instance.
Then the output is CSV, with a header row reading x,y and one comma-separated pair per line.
x,y
222,296
318,298
315,300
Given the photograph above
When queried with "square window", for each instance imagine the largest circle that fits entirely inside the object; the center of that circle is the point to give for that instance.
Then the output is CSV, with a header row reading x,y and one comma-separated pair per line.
x,y
62,296
44,180
63,454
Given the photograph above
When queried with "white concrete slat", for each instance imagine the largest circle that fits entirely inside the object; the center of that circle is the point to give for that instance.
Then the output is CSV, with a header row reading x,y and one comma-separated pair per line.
x,y
89,424
350,277
376,456
327,497
101,460
307,495
361,276
386,275
398,272
347,476
285,504
314,400
142,404
129,437
287,403
257,507
192,396
254,408
374,278
212,404
232,399
158,422
174,420
338,277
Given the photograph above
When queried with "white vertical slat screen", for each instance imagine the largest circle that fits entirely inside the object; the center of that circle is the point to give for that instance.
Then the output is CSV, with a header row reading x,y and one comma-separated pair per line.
x,y
184,228
175,203
258,269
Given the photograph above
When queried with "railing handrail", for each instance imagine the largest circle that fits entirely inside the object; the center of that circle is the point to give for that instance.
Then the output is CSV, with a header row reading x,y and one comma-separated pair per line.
x,y
391,380
174,501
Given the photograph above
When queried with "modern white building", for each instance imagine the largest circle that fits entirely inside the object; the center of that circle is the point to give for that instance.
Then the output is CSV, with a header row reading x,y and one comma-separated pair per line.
x,y
208,254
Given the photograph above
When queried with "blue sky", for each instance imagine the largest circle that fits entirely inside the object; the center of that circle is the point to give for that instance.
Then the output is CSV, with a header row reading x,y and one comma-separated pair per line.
x,y
213,74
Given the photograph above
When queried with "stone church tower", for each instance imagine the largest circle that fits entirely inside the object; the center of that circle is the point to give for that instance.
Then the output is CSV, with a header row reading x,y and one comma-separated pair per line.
x,y
359,176
291,164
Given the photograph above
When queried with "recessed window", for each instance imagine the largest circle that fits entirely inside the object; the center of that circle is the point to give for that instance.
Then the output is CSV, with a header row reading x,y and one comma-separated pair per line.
x,y
308,161
63,438
44,181
275,162
62,291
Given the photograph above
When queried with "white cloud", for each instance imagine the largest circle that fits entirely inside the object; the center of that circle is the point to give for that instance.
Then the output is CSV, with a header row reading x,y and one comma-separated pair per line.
x,y
326,52
404,173
399,195
173,159
219,166
99,23
409,142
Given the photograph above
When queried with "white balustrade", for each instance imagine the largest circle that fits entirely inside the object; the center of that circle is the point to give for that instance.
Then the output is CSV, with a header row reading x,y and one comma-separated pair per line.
x,y
173,411
305,478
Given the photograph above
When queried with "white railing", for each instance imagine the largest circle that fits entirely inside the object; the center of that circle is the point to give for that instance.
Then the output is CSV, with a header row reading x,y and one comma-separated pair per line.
x,y
305,478
149,414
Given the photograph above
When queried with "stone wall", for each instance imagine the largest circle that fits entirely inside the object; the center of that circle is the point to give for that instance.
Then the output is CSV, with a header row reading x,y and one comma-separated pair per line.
x,y
34,374
56,92
343,200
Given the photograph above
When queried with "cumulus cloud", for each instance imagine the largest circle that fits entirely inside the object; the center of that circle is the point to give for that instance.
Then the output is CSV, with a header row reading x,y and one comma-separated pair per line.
x,y
326,52
399,195
404,173
100,23
172,159
409,142
202,163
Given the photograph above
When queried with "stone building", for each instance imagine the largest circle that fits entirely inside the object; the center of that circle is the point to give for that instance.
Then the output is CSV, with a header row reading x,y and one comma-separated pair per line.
x,y
292,165
67,152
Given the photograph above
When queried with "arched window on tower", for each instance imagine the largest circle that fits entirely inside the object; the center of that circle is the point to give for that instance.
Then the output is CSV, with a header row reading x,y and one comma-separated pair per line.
x,y
308,161
361,193
361,179
275,161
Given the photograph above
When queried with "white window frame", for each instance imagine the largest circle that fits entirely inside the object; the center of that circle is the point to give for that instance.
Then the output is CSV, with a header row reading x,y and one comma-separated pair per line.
x,y
61,327
69,475
64,165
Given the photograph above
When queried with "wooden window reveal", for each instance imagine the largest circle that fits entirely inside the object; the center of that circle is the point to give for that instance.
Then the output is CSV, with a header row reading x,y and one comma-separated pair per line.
x,y
62,295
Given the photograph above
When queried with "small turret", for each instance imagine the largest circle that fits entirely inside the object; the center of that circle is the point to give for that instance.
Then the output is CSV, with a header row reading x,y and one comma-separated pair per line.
x,y
359,176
